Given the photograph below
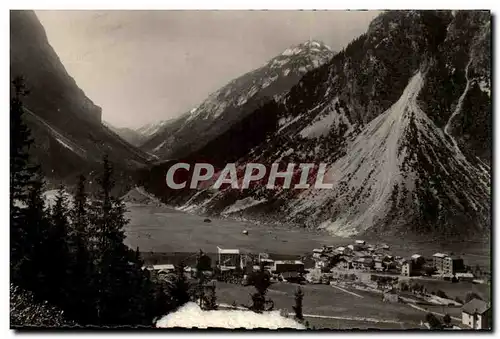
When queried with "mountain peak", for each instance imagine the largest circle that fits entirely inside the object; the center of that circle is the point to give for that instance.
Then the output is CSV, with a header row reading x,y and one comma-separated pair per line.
x,y
307,47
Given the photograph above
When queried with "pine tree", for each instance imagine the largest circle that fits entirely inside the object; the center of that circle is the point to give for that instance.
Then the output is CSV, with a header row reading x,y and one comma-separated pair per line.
x,y
447,320
20,141
433,321
36,224
160,302
299,296
80,304
179,288
210,299
261,280
21,173
203,263
57,266
120,286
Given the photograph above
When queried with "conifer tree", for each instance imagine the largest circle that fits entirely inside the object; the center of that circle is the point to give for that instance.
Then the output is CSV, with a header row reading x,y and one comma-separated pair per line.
x,y
121,292
57,266
36,224
80,304
21,173
447,320
299,296
210,299
261,280
203,263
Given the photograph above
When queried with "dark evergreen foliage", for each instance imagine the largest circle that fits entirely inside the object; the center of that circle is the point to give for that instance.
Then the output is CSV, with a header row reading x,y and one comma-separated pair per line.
x,y
472,295
447,320
179,287
74,260
210,298
433,322
299,296
260,280
21,174
58,263
26,311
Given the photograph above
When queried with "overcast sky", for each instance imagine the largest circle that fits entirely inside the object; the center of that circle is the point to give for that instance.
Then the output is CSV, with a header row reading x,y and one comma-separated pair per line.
x,y
146,66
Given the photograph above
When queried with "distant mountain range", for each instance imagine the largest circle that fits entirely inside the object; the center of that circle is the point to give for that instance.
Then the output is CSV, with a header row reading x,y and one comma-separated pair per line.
x,y
402,114
234,102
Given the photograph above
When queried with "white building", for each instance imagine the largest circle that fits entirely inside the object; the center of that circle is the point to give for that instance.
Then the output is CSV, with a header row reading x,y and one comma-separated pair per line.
x,y
317,252
229,259
406,268
319,264
438,261
476,314
465,276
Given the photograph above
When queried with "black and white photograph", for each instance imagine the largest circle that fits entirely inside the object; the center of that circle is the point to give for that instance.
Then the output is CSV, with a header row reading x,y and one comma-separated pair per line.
x,y
297,170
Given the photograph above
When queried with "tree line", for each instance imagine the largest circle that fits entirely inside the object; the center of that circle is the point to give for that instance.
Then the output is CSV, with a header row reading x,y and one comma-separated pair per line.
x,y
71,254
68,263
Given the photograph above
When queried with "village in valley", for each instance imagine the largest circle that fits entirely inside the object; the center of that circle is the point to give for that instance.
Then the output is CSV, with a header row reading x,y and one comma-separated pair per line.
x,y
443,287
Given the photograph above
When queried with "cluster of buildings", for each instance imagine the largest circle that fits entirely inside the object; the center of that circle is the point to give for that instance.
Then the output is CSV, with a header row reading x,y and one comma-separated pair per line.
x,y
367,257
356,256
232,260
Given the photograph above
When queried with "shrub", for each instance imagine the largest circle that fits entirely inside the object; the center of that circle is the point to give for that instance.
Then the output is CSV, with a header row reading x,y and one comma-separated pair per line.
x,y
472,295
433,321
26,311
447,319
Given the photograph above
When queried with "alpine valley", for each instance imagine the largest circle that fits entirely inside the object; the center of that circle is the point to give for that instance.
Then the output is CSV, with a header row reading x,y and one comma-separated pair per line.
x,y
402,114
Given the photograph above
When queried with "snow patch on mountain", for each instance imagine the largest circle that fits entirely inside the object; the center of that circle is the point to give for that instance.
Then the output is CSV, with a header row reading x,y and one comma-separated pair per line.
x,y
458,108
277,63
159,146
323,123
269,81
65,145
151,129
292,51
285,122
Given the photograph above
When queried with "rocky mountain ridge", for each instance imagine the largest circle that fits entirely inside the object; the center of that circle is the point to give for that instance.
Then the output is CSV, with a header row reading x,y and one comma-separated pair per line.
x,y
234,101
402,114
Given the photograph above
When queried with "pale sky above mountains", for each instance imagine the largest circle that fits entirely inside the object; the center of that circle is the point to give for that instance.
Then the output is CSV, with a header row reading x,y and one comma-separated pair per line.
x,y
147,66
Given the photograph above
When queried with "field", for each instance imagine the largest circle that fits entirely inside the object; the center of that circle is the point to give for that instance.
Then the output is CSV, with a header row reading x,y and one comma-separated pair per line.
x,y
157,228
162,229
165,235
459,289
